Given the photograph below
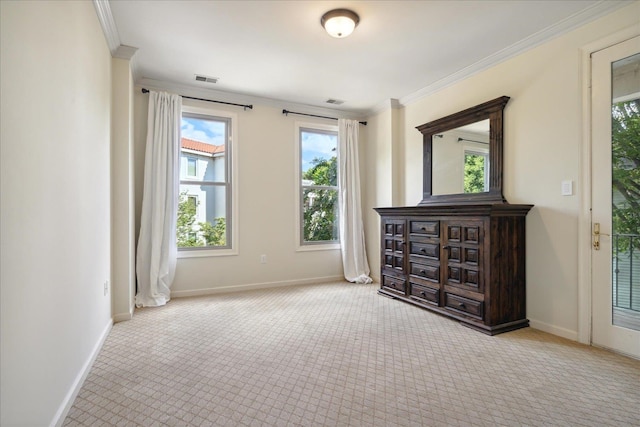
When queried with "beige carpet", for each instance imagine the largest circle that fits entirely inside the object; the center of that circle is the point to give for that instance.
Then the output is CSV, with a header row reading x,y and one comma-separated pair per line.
x,y
340,355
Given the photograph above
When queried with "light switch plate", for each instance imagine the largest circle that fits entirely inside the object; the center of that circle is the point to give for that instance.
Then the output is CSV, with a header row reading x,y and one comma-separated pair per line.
x,y
567,188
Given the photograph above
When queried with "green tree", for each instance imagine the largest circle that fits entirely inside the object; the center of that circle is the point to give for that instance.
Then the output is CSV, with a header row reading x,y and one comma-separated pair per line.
x,y
214,234
186,235
474,173
204,233
320,205
625,157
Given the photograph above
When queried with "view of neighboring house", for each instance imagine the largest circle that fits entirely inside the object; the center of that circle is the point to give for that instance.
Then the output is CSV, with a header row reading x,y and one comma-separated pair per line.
x,y
200,165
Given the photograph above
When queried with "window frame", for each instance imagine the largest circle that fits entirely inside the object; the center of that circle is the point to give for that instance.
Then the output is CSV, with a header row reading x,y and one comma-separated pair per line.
x,y
301,245
196,110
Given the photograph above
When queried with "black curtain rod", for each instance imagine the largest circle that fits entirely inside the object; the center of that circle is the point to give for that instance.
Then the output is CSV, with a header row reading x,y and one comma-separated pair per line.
x,y
211,100
471,140
287,112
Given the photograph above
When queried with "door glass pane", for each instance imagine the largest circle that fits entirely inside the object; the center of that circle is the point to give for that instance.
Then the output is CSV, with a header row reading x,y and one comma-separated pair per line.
x,y
625,156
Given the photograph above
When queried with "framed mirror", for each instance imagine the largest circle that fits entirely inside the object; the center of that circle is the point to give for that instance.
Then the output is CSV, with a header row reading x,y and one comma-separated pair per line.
x,y
462,160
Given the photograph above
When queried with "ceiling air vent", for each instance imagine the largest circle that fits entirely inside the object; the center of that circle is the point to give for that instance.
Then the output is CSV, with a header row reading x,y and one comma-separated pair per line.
x,y
334,101
201,78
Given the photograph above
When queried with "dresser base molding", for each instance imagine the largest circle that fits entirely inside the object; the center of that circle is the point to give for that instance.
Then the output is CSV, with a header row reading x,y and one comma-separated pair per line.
x,y
489,330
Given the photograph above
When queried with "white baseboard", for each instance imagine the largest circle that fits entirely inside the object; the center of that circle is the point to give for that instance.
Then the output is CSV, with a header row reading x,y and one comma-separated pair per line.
x,y
555,330
58,419
253,286
122,317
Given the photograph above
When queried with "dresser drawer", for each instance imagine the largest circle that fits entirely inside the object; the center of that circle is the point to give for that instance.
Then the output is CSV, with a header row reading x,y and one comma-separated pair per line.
x,y
424,293
463,305
427,272
427,228
428,250
394,284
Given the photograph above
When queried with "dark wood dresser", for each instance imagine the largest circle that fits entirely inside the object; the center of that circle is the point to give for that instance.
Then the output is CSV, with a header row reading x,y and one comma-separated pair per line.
x,y
463,261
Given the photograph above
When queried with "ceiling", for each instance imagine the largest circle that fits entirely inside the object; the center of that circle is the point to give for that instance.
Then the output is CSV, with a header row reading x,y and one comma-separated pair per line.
x,y
278,49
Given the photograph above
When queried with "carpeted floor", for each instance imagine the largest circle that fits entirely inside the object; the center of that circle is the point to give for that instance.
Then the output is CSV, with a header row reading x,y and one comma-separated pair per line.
x,y
338,354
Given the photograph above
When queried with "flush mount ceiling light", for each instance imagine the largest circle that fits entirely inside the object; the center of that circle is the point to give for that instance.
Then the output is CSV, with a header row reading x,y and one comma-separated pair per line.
x,y
340,23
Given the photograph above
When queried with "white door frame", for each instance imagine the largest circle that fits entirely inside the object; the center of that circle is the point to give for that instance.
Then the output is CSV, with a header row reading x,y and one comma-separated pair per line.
x,y
584,218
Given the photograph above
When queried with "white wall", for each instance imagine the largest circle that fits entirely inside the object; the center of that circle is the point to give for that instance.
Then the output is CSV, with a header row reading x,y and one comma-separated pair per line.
x,y
543,139
55,202
266,186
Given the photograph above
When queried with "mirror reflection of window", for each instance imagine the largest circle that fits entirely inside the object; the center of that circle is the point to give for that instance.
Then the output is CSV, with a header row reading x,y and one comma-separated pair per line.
x,y
476,171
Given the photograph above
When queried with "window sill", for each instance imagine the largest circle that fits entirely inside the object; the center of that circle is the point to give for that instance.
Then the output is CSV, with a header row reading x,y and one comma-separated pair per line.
x,y
203,253
319,247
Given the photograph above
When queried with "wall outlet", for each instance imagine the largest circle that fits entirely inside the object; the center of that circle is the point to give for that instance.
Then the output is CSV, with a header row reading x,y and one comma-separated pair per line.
x,y
106,288
263,259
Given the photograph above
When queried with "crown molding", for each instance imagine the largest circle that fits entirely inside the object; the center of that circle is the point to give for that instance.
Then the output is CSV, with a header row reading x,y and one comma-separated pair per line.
x,y
108,24
570,23
118,50
124,52
218,95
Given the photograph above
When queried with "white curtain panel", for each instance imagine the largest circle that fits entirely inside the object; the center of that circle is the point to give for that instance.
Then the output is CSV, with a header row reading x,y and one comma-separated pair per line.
x,y
354,257
157,249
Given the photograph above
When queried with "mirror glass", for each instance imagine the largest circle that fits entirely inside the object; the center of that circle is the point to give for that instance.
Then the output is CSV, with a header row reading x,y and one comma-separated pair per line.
x,y
461,162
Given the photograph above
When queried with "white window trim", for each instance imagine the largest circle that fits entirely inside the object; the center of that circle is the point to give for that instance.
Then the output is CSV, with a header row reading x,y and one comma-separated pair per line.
x,y
298,224
196,107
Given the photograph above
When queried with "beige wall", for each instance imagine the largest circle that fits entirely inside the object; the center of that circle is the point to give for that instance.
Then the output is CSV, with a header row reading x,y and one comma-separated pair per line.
x,y
543,146
55,185
122,191
266,208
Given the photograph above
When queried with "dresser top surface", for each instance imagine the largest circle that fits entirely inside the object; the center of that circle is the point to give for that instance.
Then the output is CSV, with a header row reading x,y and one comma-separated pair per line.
x,y
488,209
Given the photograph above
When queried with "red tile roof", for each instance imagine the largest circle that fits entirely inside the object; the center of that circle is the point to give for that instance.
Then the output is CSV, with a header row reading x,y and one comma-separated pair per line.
x,y
203,147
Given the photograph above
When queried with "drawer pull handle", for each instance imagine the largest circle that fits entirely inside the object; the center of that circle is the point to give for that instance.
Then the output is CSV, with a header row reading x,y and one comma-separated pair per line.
x,y
423,294
423,250
461,305
423,272
423,229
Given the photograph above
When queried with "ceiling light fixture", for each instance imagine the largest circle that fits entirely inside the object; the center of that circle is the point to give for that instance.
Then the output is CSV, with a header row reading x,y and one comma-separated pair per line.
x,y
340,23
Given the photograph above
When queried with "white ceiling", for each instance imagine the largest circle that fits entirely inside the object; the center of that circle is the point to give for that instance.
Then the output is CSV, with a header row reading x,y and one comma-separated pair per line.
x,y
278,49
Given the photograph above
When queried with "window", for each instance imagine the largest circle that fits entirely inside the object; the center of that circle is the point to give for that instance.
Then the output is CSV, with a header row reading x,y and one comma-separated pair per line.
x,y
204,205
192,167
318,185
193,203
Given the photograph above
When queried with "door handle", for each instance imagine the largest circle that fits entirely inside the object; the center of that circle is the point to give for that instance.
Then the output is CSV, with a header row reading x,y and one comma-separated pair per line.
x,y
596,236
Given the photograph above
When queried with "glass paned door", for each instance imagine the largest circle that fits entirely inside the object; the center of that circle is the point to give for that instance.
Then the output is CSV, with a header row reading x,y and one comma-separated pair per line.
x,y
616,197
625,195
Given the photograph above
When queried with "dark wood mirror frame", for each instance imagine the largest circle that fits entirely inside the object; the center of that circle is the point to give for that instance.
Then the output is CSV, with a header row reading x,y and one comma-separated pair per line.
x,y
492,110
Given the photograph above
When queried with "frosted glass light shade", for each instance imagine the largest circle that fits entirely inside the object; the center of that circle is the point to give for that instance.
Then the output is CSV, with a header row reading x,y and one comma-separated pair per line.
x,y
340,23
